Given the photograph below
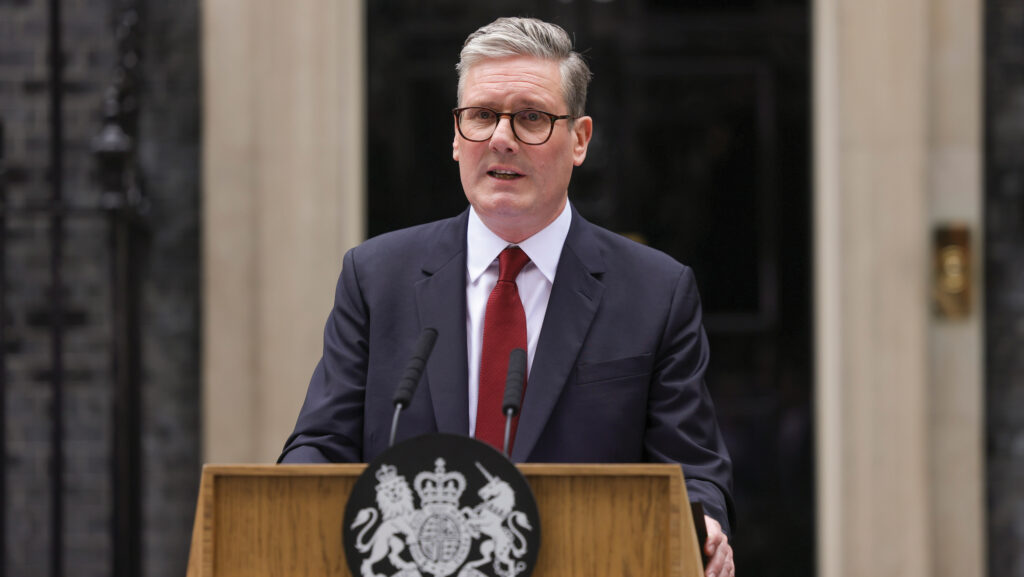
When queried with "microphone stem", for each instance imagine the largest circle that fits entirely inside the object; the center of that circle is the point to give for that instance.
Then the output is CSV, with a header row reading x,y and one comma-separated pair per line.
x,y
508,429
394,424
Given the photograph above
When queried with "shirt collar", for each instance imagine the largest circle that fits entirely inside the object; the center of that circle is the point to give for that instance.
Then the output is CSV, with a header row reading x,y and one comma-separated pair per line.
x,y
543,248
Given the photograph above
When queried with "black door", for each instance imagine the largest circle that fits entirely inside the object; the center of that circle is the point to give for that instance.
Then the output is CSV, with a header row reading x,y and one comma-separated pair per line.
x,y
701,148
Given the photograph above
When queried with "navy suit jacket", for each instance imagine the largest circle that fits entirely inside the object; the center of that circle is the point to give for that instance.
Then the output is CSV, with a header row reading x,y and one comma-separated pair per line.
x,y
618,375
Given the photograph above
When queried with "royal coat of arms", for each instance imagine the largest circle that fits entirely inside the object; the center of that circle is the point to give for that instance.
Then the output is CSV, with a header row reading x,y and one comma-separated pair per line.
x,y
440,537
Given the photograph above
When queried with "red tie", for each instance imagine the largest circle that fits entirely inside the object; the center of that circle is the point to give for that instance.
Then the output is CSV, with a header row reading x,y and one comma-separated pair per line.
x,y
504,330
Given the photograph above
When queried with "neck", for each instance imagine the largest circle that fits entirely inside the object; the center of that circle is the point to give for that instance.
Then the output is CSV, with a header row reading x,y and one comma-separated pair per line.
x,y
515,232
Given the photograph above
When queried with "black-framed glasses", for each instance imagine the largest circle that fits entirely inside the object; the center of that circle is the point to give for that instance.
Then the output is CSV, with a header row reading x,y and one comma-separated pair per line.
x,y
477,123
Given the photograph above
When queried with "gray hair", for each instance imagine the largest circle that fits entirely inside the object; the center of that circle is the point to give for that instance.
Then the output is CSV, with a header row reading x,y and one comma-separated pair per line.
x,y
529,37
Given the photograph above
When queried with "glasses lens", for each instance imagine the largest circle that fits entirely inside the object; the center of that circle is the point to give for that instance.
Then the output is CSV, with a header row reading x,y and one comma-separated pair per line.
x,y
532,126
477,123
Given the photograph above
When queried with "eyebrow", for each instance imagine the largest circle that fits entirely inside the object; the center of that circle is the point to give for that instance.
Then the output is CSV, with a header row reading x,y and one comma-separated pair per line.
x,y
516,109
520,105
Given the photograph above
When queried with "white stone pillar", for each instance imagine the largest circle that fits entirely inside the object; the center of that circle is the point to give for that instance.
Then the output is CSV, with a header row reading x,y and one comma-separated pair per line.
x,y
283,197
956,386
897,150
871,231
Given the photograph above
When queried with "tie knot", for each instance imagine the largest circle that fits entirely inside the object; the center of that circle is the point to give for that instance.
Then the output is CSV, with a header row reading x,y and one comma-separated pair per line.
x,y
510,262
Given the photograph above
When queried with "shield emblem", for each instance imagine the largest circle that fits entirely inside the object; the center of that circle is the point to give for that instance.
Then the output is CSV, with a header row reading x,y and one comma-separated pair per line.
x,y
442,540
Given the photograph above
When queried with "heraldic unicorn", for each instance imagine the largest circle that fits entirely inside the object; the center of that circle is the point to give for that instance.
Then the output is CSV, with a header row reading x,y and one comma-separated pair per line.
x,y
438,537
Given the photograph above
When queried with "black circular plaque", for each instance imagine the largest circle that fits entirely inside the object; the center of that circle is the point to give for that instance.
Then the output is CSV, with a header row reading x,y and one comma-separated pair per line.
x,y
441,505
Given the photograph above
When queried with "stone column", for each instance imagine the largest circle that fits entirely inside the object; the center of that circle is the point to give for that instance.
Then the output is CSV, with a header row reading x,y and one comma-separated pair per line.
x,y
956,387
899,421
283,198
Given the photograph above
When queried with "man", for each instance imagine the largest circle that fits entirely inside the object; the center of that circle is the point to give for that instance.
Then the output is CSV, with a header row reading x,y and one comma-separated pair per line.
x,y
615,347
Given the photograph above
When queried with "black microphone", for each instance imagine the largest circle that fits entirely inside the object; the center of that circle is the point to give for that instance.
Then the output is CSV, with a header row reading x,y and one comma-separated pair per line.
x,y
513,389
411,378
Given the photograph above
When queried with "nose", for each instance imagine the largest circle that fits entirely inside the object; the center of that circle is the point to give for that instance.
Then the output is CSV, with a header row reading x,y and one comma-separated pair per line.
x,y
503,139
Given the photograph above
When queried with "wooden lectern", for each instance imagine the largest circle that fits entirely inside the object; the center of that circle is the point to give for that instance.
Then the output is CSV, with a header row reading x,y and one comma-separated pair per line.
x,y
597,520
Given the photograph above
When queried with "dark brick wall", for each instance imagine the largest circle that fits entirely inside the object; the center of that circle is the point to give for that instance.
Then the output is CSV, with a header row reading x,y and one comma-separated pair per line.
x,y
1004,283
168,159
24,107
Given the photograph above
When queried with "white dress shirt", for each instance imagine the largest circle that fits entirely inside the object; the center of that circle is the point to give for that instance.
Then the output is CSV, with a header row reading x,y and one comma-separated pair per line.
x,y
534,284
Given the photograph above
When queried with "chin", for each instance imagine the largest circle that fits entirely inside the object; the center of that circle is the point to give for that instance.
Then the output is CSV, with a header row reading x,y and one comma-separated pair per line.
x,y
501,201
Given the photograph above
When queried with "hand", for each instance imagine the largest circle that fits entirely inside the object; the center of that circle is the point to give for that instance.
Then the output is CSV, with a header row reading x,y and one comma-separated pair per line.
x,y
718,551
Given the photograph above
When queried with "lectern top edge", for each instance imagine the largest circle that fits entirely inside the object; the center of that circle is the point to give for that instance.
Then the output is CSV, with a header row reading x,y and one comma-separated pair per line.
x,y
529,469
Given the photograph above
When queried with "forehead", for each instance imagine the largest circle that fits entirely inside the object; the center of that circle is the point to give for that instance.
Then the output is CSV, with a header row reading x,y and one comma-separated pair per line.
x,y
524,80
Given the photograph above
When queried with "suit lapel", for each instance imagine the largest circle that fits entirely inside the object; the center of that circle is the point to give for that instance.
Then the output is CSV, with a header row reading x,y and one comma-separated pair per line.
x,y
575,298
441,300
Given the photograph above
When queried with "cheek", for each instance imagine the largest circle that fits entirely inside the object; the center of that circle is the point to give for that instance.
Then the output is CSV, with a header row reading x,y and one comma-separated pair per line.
x,y
466,153
552,167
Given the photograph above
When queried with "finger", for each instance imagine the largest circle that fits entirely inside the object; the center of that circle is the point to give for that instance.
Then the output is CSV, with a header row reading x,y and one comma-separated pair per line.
x,y
715,536
712,544
720,564
714,547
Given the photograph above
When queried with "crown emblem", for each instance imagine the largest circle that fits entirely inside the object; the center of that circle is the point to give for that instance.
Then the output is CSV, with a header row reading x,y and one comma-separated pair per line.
x,y
387,477
439,487
386,473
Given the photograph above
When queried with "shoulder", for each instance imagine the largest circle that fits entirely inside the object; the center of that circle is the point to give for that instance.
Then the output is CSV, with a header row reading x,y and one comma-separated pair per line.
x,y
623,257
415,239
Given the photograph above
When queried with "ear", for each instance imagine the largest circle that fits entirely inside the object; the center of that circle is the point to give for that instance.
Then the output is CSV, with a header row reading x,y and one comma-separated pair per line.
x,y
455,145
582,130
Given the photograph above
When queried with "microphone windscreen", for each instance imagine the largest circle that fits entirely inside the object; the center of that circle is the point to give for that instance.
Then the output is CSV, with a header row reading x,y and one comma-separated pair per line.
x,y
413,371
514,382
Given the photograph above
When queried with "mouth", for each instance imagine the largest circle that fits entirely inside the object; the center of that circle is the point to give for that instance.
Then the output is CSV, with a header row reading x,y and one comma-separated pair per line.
x,y
504,174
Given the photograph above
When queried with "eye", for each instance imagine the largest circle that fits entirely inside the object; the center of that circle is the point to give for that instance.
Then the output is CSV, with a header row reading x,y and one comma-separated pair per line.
x,y
480,114
531,116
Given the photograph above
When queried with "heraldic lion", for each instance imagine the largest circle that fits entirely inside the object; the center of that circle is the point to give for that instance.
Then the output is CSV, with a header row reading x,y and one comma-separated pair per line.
x,y
395,502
